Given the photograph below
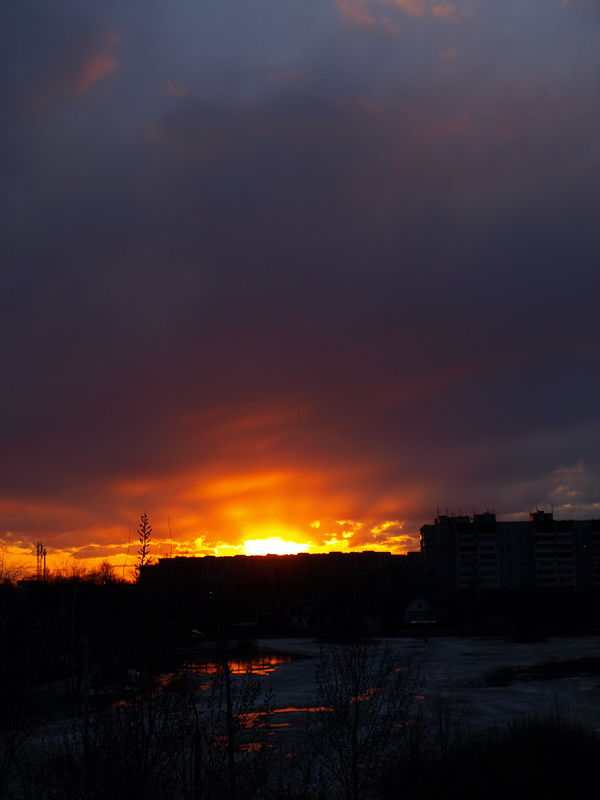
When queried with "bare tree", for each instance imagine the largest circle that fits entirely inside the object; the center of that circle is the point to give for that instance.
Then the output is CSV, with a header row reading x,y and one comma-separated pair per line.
x,y
448,725
132,751
233,747
10,568
104,574
364,701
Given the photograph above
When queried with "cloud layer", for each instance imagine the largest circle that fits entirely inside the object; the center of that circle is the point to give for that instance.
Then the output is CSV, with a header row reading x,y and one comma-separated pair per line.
x,y
273,264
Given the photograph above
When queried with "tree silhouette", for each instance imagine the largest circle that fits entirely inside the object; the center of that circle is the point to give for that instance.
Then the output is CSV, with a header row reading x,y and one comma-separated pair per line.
x,y
143,554
364,700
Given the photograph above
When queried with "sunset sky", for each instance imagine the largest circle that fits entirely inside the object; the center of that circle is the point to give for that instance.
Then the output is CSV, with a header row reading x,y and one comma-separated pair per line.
x,y
301,270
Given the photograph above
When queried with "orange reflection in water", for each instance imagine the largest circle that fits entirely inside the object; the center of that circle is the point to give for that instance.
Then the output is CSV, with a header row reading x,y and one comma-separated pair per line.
x,y
287,710
261,665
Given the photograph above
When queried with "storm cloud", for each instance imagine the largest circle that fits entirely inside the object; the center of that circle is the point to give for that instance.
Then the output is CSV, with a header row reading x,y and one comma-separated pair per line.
x,y
272,264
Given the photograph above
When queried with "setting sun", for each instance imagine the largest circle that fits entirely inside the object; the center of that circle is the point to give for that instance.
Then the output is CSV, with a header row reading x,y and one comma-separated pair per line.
x,y
275,545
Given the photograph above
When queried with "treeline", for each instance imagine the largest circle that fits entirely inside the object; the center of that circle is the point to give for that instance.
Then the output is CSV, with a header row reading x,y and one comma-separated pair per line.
x,y
47,628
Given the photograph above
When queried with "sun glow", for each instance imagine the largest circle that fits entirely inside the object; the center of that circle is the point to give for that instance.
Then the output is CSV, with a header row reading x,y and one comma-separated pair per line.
x,y
275,545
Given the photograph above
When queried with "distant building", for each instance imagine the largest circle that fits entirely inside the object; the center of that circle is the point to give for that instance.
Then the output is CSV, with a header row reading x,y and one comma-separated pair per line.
x,y
418,610
480,552
307,592
290,569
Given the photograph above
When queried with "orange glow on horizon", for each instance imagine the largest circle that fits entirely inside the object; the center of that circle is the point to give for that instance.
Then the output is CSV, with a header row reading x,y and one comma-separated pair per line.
x,y
275,545
213,511
256,541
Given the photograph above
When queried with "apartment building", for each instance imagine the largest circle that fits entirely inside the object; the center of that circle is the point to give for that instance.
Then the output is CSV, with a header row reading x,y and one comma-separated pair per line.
x,y
463,552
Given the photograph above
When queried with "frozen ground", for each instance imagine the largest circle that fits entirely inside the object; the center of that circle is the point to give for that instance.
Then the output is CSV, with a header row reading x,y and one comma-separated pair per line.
x,y
453,667
456,668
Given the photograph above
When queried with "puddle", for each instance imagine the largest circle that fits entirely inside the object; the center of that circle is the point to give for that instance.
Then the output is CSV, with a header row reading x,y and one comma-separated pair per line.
x,y
263,664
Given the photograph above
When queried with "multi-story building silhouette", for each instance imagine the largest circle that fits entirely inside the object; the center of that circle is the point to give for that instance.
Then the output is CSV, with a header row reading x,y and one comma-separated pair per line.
x,y
298,588
303,569
481,552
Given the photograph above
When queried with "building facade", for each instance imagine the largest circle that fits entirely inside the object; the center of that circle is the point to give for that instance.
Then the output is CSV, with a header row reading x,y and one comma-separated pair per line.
x,y
481,552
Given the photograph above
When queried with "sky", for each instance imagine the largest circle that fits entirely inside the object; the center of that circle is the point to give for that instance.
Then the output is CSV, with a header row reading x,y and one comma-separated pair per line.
x,y
305,271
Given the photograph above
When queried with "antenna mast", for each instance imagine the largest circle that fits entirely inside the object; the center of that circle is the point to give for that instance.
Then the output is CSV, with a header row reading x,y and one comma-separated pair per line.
x,y
40,552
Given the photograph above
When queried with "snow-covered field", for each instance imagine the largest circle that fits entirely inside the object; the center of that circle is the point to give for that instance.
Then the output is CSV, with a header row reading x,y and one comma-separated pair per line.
x,y
456,668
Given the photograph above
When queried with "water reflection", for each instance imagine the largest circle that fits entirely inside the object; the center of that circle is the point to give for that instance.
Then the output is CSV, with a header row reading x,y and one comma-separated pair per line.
x,y
263,664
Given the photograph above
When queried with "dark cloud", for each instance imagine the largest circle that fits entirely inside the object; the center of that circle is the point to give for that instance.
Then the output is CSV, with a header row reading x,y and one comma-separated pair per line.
x,y
261,267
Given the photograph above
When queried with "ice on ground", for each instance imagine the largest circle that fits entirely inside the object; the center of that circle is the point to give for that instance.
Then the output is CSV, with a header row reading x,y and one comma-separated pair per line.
x,y
456,668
